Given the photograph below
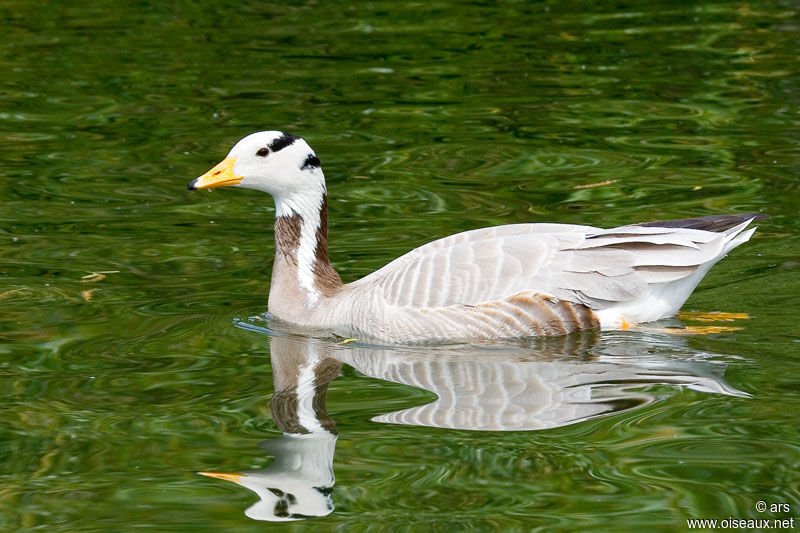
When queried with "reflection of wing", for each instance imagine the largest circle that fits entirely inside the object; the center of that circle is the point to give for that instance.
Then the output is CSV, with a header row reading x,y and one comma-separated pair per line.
x,y
549,386
580,264
505,396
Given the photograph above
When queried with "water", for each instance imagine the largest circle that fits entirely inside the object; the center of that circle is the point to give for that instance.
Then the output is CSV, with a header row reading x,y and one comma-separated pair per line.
x,y
123,371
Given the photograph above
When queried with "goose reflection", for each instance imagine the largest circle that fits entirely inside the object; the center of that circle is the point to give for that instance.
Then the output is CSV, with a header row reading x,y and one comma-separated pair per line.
x,y
549,384
299,482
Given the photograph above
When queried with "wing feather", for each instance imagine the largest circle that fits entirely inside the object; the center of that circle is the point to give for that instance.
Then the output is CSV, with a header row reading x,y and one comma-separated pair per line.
x,y
581,264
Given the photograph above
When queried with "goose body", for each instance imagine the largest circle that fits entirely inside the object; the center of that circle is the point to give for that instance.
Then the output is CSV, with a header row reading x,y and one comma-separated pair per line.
x,y
500,282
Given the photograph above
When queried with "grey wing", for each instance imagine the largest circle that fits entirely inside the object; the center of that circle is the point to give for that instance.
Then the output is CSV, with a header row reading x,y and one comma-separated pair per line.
x,y
580,264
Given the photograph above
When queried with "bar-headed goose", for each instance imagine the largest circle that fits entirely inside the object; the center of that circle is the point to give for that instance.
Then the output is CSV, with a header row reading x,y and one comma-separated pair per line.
x,y
500,282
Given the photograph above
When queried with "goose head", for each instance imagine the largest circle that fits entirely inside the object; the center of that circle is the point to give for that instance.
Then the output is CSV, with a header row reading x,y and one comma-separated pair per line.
x,y
279,163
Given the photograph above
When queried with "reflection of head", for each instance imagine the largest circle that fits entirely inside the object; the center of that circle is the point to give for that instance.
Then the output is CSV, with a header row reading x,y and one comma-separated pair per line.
x,y
297,485
285,506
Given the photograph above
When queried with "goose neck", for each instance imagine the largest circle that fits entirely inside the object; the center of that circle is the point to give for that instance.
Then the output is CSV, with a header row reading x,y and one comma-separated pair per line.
x,y
301,240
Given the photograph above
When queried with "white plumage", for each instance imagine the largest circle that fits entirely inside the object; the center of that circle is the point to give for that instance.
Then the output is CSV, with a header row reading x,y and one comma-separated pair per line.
x,y
505,281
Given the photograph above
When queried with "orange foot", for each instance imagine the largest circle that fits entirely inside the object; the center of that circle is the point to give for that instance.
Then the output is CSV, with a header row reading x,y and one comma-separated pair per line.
x,y
696,330
716,316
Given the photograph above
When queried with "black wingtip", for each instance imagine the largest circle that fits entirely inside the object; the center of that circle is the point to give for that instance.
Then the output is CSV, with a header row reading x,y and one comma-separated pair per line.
x,y
707,223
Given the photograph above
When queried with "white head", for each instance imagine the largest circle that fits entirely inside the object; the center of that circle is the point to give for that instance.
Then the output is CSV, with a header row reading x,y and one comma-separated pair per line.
x,y
281,164
297,484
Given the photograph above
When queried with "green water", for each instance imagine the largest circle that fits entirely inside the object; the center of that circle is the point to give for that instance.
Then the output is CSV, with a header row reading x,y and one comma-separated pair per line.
x,y
429,118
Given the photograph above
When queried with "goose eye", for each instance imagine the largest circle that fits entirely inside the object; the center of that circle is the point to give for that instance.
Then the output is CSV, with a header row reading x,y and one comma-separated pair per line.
x,y
262,152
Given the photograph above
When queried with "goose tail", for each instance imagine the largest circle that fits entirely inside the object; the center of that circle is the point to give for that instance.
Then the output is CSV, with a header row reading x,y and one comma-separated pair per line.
x,y
664,299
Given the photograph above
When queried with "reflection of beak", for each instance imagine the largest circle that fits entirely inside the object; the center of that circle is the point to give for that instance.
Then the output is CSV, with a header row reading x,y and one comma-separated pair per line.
x,y
220,175
232,476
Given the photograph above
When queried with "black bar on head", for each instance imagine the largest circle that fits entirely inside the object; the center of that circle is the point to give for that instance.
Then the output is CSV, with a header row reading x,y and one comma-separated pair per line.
x,y
287,139
311,161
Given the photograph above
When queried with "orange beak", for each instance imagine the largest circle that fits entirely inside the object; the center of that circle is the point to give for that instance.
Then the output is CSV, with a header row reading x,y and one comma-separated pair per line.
x,y
219,176
232,476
